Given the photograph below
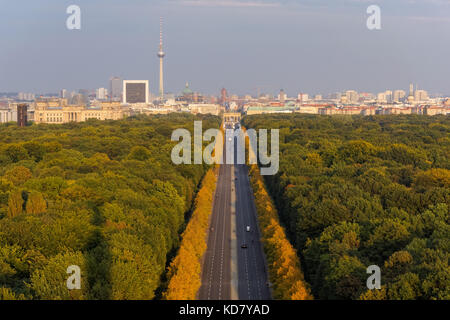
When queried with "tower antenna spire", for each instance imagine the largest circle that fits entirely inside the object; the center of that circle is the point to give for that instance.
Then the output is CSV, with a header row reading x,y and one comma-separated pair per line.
x,y
161,33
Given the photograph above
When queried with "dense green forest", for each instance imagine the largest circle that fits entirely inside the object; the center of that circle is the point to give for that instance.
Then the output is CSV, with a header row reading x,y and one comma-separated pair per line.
x,y
104,196
359,191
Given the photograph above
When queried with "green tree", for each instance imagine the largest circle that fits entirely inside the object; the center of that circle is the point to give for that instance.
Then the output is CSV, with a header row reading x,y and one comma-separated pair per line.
x,y
139,153
18,175
50,283
16,152
36,203
15,204
8,294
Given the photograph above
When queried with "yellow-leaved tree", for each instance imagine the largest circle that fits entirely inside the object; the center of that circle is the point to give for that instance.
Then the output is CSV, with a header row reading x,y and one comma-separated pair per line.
x,y
36,203
284,265
185,270
15,204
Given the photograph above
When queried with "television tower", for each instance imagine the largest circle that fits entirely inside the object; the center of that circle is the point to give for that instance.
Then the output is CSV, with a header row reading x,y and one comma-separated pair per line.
x,y
161,56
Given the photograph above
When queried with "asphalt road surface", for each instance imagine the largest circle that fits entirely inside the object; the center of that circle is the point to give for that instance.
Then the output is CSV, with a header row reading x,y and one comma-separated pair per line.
x,y
251,271
252,284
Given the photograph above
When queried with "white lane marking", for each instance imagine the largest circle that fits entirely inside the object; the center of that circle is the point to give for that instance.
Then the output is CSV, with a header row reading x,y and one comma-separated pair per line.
x,y
241,215
255,218
247,186
214,246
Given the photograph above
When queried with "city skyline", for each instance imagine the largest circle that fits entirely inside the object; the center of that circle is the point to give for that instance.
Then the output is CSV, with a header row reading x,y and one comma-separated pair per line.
x,y
285,46
108,94
180,151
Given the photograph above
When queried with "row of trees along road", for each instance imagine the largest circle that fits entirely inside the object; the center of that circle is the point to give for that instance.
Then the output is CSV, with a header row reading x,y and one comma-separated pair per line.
x,y
102,195
285,272
358,191
185,269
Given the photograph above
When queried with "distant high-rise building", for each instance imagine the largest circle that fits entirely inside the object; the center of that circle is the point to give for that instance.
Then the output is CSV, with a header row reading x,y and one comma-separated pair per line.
x,y
282,96
421,96
22,115
84,95
223,97
366,96
70,96
78,99
411,93
135,91
399,95
7,114
336,96
24,96
381,97
101,94
63,94
303,97
161,56
389,96
352,96
115,88
385,97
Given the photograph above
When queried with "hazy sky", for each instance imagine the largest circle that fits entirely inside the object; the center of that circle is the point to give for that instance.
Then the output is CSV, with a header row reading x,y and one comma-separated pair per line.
x,y
313,46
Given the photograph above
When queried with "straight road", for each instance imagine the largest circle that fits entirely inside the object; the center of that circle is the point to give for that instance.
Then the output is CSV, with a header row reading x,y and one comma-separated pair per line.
x,y
252,284
216,271
251,271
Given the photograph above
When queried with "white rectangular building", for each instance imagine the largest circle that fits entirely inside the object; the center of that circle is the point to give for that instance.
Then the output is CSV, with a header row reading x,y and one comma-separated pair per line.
x,y
135,92
8,115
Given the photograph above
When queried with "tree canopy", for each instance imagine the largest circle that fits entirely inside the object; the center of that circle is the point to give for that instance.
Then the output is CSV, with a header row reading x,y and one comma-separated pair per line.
x,y
357,191
102,195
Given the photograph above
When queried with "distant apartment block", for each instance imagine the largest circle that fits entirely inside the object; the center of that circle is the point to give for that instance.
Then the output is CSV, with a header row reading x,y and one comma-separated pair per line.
x,y
310,108
8,115
369,111
204,109
101,94
421,96
399,95
115,89
340,111
282,96
269,110
303,97
436,110
397,110
24,96
352,96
